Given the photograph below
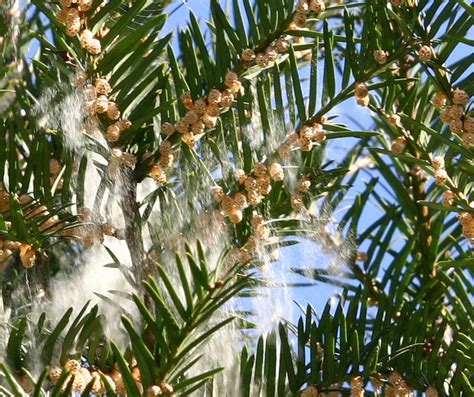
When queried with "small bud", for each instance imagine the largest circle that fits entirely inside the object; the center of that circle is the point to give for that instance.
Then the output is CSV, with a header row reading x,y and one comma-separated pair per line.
x,y
181,126
460,97
158,174
227,204
186,98
85,5
248,55
441,176
468,124
167,128
271,53
113,112
398,145
264,184
468,139
262,60
189,139
240,175
54,373
438,162
235,215
250,183
80,78
299,19
380,56
439,99
153,391
27,255
425,53
200,106
72,365
214,96
166,161
431,392
227,99
282,45
302,7
296,202
62,15
455,125
306,144
209,121
101,104
260,169
317,6
230,79
276,172
167,389
284,151
448,197
218,193
113,133
240,200
304,184
93,47
319,135
455,112
236,87
360,90
394,119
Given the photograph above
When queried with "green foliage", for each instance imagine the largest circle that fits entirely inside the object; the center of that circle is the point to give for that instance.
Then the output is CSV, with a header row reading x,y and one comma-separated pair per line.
x,y
405,301
173,333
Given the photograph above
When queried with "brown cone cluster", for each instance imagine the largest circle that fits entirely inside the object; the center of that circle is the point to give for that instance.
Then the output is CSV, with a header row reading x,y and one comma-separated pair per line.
x,y
453,114
266,57
203,113
304,7
92,233
33,212
99,103
256,186
73,15
165,162
303,139
83,376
